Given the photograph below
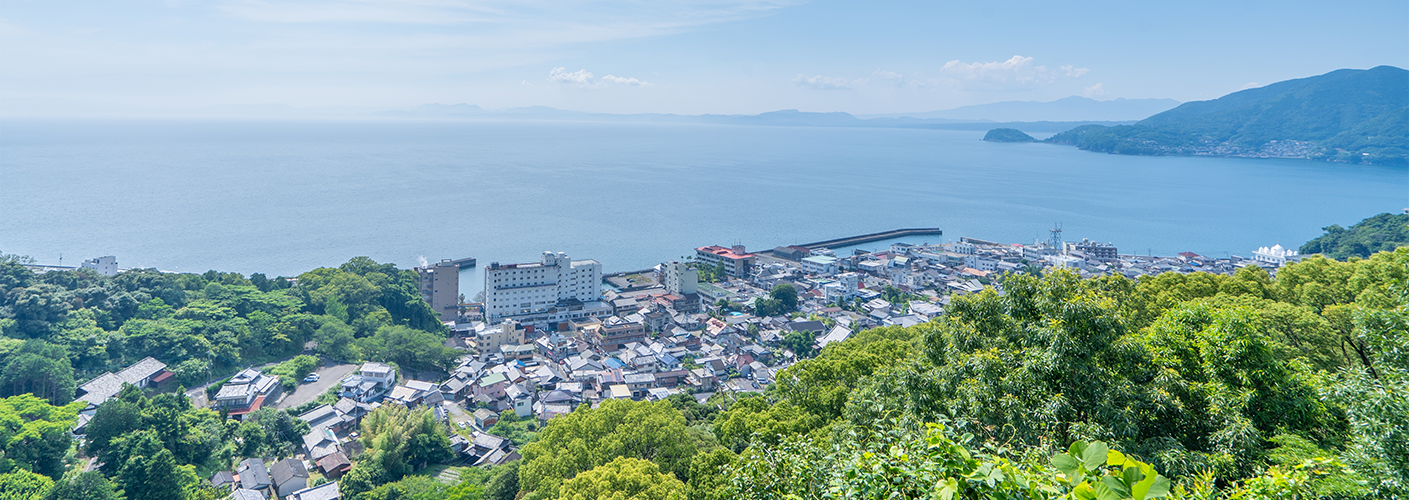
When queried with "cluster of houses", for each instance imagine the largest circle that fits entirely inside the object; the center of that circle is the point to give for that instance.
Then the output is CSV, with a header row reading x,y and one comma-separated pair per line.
x,y
968,265
672,335
262,479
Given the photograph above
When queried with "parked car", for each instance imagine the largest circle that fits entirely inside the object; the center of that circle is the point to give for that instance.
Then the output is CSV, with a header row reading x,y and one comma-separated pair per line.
x,y
312,377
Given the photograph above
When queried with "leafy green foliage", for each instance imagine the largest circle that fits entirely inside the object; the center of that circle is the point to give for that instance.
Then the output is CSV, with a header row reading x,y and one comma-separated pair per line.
x,y
781,301
754,420
624,478
398,441
24,485
519,431
1381,233
587,438
203,325
85,486
291,372
34,434
410,488
39,368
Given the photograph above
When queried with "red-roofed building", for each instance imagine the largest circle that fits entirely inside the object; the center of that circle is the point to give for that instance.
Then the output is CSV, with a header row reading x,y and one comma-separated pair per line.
x,y
736,261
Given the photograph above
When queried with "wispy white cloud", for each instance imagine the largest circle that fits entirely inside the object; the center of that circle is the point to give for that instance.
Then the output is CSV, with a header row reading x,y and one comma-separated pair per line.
x,y
1016,73
820,82
891,77
1250,85
583,78
561,75
1094,91
1074,71
625,81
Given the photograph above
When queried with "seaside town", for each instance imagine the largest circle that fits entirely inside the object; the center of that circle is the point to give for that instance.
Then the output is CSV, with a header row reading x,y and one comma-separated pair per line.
x,y
548,336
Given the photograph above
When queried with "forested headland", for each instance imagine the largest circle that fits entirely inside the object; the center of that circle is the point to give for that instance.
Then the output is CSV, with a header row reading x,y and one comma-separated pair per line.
x,y
1193,386
1381,233
1351,116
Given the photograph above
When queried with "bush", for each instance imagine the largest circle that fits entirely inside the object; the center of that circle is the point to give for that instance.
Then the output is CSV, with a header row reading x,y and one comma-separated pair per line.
x,y
291,372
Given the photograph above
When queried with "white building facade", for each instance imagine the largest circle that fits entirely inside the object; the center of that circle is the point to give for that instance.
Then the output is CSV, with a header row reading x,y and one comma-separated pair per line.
x,y
680,279
1276,255
821,265
538,292
105,265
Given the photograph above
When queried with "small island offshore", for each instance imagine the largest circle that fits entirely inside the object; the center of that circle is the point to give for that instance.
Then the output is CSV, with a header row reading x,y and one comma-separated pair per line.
x,y
1008,135
1347,116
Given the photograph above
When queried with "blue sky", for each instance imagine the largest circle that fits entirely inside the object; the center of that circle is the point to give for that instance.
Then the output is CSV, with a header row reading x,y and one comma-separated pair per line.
x,y
674,56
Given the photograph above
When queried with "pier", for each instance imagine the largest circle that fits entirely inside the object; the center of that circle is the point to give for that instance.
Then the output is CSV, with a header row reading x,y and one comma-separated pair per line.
x,y
867,238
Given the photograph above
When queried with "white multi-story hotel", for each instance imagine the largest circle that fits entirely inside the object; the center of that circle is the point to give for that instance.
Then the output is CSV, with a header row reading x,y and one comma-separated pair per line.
x,y
551,291
1276,255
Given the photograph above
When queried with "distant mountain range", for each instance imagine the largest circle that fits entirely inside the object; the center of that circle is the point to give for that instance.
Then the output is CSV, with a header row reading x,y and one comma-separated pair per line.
x,y
785,118
1356,116
1074,108
1059,116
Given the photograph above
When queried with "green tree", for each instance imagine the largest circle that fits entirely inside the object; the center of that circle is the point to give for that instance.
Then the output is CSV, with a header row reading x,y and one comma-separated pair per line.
x,y
709,475
85,486
42,369
623,478
399,441
504,483
34,435
409,488
755,420
409,348
786,296
24,485
1374,399
112,419
587,438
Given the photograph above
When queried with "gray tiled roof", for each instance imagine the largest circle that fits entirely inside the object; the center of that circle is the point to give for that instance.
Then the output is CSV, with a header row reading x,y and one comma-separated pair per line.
x,y
326,491
253,474
287,469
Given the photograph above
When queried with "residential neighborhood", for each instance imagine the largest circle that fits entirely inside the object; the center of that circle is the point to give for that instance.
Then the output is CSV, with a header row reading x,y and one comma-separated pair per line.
x,y
557,334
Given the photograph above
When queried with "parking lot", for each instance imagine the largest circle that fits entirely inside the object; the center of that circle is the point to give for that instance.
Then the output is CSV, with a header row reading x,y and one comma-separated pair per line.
x,y
328,377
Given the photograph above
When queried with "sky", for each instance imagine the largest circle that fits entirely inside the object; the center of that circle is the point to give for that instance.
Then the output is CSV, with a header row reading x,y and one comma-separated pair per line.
x,y
671,56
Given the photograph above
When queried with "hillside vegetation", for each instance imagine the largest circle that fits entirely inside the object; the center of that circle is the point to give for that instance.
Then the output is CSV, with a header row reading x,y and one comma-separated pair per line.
x,y
1381,233
1356,116
60,328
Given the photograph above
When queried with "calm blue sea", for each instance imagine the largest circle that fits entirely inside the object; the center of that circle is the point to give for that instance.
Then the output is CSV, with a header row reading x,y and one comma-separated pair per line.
x,y
285,197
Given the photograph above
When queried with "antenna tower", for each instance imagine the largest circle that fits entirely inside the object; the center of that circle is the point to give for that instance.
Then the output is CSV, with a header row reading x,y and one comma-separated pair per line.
x,y
1056,240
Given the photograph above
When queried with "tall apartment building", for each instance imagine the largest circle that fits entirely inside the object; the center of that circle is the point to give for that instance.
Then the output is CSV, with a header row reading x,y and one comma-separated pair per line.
x,y
735,260
680,279
550,291
440,287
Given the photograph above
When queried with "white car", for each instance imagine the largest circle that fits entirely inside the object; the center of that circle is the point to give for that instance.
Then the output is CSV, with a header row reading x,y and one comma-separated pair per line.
x,y
312,377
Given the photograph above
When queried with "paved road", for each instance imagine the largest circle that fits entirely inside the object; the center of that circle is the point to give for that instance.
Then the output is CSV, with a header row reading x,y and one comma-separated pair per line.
x,y
329,377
